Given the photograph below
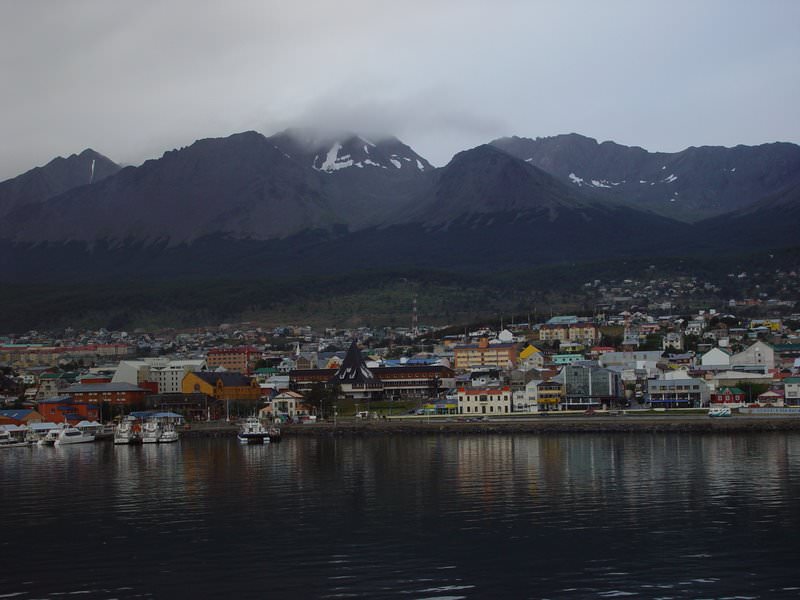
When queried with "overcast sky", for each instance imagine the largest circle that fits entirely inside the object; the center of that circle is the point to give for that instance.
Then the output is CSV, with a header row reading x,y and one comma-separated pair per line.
x,y
134,79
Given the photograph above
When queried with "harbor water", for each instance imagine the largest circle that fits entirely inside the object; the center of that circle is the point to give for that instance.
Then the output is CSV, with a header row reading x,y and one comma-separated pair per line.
x,y
425,516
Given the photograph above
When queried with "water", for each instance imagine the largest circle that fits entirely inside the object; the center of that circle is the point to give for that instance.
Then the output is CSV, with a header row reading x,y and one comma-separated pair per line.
x,y
525,516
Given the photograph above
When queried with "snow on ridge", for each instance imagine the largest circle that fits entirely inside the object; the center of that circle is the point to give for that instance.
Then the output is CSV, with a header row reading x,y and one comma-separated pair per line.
x,y
374,164
670,178
420,166
366,149
598,183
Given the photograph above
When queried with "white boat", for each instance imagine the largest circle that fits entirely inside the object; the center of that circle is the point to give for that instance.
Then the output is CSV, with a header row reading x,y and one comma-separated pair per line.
x,y
90,427
72,435
151,432
13,437
253,431
168,434
719,411
51,436
38,431
125,432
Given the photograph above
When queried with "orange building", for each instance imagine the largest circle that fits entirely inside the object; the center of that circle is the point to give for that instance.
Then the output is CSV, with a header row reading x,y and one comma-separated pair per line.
x,y
240,360
65,408
484,354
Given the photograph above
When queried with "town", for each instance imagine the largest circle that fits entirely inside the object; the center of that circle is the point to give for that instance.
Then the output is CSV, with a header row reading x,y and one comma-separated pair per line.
x,y
604,362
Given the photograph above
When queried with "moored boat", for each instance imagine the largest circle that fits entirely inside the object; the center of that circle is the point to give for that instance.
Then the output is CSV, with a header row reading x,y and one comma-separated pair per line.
x,y
51,436
72,435
151,432
126,432
13,436
274,434
168,434
253,431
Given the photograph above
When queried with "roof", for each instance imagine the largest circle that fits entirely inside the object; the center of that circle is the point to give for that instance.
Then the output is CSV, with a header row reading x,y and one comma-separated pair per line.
x,y
16,414
353,369
730,390
228,378
80,388
54,400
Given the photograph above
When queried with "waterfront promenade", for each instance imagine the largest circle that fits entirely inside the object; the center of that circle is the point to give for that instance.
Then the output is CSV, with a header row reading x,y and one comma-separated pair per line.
x,y
453,425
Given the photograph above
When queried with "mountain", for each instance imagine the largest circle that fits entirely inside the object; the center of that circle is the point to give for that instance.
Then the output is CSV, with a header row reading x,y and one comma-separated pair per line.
x,y
295,204
54,178
771,222
245,186
241,186
365,180
690,185
486,180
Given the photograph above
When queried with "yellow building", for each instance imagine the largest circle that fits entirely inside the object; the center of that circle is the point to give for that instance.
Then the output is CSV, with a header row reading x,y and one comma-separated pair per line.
x,y
221,386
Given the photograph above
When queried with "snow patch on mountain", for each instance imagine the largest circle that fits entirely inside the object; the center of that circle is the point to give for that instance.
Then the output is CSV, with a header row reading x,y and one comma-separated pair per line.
x,y
333,162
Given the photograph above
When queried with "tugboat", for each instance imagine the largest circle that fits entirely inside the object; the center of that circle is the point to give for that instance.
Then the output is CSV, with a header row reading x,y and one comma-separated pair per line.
x,y
253,432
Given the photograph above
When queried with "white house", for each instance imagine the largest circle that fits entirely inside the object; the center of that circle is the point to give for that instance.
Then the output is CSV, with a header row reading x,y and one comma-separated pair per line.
x,y
715,359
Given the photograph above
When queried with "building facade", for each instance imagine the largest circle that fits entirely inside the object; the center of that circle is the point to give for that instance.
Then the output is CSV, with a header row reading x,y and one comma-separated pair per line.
x,y
485,354
484,401
677,393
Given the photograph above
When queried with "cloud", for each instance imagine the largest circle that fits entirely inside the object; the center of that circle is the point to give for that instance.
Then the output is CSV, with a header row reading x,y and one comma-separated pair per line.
x,y
135,79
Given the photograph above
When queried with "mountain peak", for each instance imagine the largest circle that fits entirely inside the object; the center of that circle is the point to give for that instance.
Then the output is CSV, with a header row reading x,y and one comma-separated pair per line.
x,y
329,153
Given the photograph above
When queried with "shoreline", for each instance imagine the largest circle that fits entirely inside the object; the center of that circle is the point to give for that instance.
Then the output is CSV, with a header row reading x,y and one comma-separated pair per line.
x,y
551,425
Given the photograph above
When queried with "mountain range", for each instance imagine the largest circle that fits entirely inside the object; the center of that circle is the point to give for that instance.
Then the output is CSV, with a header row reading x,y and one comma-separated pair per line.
x,y
298,202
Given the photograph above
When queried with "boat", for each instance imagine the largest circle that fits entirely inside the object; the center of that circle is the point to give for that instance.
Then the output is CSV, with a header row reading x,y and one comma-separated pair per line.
x,y
719,411
91,427
13,437
168,434
151,432
72,435
253,431
126,432
38,431
51,436
274,434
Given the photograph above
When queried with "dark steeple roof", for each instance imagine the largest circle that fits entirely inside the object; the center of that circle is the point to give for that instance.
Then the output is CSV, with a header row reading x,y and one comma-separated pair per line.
x,y
354,369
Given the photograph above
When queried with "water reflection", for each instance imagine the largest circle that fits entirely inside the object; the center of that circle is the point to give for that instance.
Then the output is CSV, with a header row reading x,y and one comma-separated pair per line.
x,y
429,516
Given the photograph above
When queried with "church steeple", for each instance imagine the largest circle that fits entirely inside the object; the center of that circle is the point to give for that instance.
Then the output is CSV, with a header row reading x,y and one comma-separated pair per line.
x,y
354,370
